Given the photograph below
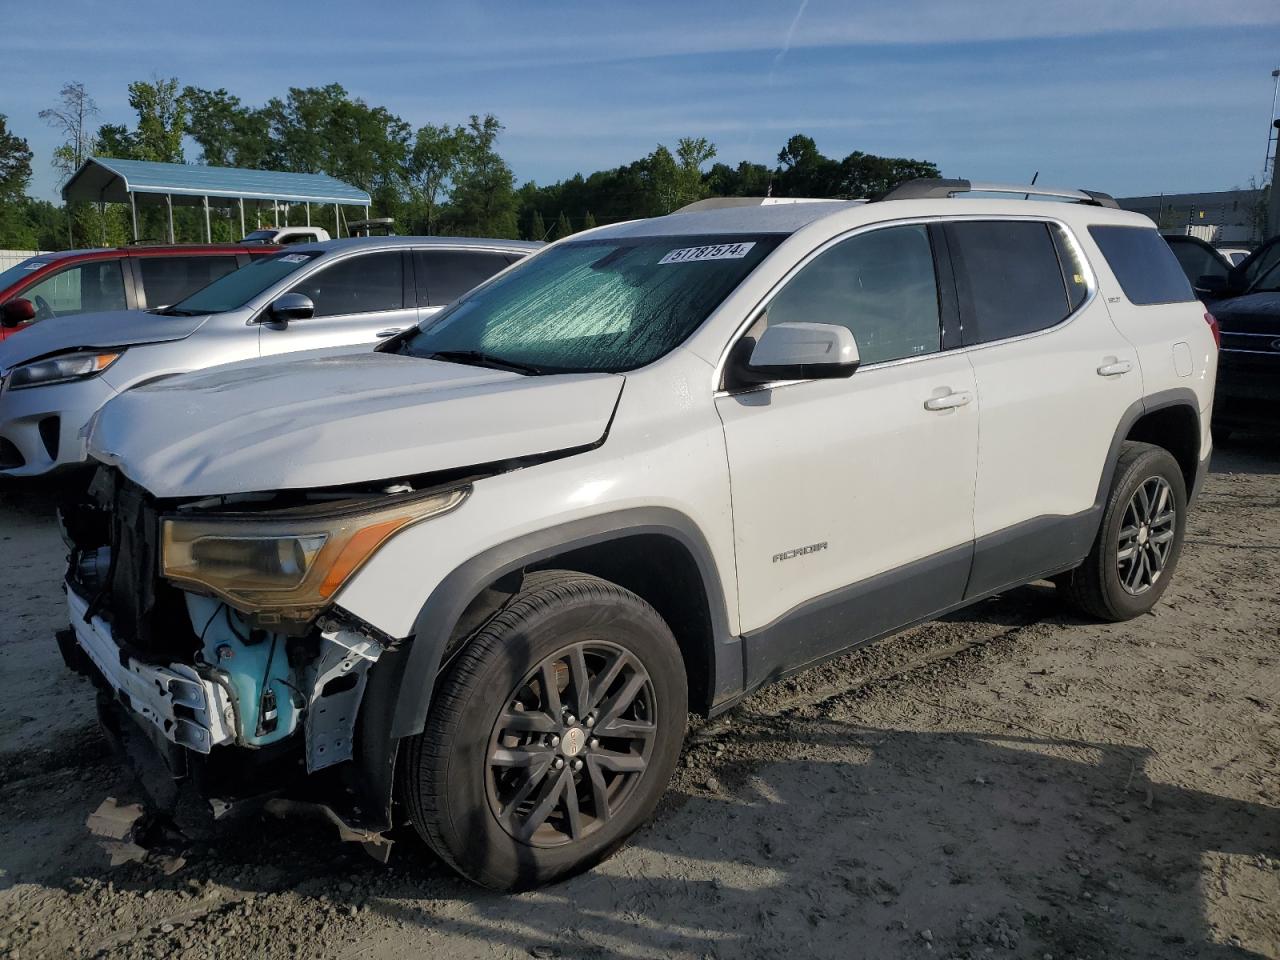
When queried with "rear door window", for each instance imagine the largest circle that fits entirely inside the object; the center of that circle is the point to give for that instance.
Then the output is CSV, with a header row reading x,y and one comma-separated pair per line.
x,y
1144,265
367,283
445,275
1009,278
93,287
167,280
1198,260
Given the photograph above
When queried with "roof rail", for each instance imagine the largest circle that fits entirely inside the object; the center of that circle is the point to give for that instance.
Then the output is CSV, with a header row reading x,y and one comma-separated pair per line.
x,y
722,203
926,188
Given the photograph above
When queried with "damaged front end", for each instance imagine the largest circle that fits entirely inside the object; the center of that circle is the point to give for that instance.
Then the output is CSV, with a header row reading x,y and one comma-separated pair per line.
x,y
209,624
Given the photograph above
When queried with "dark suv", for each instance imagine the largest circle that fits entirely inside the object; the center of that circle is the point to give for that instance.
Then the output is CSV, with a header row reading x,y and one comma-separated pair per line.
x,y
123,278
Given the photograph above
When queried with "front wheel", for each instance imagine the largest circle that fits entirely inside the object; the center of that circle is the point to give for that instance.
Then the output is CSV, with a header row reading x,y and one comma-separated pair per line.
x,y
552,735
1140,539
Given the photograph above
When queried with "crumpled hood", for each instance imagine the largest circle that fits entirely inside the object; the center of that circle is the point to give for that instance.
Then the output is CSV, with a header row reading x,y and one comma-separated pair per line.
x,y
326,421
118,328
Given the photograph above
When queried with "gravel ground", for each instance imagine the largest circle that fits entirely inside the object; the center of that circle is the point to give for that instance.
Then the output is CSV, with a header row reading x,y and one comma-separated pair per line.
x,y
1008,782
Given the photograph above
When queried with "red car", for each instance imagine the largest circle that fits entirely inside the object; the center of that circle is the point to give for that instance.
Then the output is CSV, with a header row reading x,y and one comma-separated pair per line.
x,y
124,278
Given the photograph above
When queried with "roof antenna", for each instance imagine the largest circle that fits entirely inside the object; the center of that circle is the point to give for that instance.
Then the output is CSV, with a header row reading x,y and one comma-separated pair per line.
x,y
1034,178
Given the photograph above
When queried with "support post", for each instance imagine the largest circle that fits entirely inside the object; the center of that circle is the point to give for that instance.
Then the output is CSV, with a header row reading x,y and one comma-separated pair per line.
x,y
308,213
133,213
102,222
168,202
337,224
241,202
275,211
208,227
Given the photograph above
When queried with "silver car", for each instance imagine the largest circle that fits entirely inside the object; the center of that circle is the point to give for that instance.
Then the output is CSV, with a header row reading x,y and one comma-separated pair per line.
x,y
341,293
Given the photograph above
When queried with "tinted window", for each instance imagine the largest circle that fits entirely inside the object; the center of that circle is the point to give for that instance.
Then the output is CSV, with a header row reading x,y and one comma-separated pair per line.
x,y
366,283
1198,260
167,280
445,275
601,305
1263,271
87,288
1008,277
236,289
881,285
1143,263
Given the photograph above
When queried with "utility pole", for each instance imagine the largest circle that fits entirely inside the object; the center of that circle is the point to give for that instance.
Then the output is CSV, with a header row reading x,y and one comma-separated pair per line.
x,y
1273,215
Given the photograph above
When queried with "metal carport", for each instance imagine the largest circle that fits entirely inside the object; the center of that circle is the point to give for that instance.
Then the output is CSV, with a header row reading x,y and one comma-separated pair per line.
x,y
108,180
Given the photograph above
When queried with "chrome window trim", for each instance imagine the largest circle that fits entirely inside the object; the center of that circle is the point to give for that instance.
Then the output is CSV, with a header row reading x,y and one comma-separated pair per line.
x,y
753,314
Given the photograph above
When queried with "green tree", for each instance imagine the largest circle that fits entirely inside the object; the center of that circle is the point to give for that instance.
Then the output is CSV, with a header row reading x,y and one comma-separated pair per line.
x,y
563,229
115,140
537,227
162,119
15,174
436,156
588,222
229,134
484,198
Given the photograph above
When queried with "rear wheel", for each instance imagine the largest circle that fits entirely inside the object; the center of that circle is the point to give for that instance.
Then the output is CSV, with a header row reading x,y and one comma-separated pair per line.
x,y
552,735
1140,539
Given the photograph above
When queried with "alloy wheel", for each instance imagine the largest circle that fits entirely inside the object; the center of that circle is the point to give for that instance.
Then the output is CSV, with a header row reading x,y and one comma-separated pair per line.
x,y
570,744
1146,535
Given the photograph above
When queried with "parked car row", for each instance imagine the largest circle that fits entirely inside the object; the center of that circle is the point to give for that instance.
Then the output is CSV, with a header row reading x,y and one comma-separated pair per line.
x,y
474,579
57,375
126,278
1245,300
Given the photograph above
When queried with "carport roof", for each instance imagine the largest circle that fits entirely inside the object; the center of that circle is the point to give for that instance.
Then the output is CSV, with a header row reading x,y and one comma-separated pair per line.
x,y
106,179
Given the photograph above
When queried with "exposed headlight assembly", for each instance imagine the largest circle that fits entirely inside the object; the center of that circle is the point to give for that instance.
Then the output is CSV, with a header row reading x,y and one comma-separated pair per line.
x,y
59,369
287,564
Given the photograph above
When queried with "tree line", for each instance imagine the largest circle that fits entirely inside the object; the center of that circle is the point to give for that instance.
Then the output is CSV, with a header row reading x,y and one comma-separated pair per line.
x,y
437,179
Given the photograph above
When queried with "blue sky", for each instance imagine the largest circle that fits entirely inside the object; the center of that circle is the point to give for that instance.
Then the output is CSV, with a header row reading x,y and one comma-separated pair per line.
x,y
1131,97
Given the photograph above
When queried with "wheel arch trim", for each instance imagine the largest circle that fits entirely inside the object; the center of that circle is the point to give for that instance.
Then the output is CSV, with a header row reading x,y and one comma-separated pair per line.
x,y
447,602
1163,400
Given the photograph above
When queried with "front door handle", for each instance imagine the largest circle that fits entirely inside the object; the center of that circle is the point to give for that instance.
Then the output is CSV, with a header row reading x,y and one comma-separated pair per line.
x,y
389,332
950,401
1116,368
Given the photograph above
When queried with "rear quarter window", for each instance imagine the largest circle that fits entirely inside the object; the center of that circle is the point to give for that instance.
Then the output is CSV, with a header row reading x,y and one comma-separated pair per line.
x,y
1144,265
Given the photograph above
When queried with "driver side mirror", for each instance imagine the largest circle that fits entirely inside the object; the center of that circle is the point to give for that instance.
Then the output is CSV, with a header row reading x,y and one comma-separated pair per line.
x,y
291,306
799,351
16,312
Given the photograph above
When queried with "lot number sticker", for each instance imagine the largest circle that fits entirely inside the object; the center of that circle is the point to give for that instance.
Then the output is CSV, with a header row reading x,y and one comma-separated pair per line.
x,y
295,258
716,251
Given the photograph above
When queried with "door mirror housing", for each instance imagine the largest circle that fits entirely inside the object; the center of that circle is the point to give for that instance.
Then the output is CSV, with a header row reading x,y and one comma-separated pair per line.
x,y
16,312
291,306
800,351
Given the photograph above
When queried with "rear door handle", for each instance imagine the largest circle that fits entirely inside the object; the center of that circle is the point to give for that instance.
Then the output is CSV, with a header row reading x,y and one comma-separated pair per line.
x,y
1115,369
389,332
950,401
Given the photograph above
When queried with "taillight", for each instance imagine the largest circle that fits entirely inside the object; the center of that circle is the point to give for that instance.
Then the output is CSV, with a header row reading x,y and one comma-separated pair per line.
x,y
1212,321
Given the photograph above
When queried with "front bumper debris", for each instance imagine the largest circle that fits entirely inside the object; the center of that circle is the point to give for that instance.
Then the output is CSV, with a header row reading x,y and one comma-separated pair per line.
x,y
184,707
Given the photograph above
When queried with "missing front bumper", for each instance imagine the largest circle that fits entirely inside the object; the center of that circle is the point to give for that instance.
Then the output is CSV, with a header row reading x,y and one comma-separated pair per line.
x,y
184,707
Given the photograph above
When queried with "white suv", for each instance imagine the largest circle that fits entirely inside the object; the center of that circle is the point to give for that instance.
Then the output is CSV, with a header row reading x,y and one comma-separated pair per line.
x,y
476,580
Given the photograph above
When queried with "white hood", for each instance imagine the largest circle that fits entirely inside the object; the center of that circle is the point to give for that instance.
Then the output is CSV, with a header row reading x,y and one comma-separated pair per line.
x,y
326,421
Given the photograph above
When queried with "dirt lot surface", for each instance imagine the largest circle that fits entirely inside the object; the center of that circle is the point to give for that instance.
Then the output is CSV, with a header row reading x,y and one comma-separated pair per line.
x,y
1008,782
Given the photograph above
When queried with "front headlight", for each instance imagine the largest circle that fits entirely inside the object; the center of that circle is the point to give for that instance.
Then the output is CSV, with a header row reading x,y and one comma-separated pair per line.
x,y
287,564
68,366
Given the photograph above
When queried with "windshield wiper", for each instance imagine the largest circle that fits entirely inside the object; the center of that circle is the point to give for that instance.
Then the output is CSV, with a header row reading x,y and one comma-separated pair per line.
x,y
481,359
172,312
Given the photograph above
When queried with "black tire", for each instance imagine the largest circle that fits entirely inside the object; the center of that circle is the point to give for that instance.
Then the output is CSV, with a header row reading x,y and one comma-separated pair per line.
x,y
1095,587
452,791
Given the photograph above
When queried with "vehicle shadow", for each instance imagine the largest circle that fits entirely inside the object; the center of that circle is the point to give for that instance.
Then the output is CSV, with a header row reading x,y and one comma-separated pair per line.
x,y
1257,453
857,841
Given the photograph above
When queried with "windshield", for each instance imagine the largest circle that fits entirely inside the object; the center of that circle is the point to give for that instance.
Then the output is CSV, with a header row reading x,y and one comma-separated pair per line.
x,y
240,286
596,305
24,269
260,236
